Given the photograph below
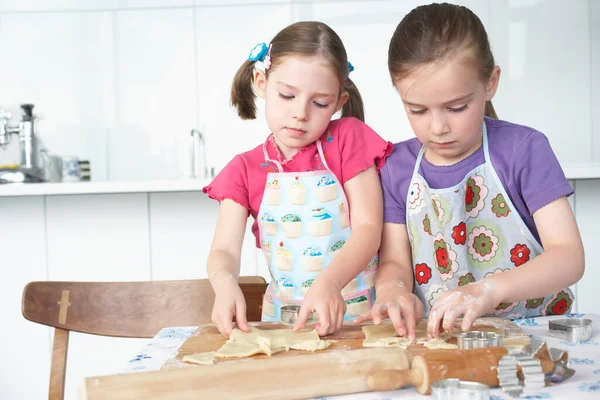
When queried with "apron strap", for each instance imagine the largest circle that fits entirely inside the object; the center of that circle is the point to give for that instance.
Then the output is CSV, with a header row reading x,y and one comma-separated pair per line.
x,y
266,155
320,150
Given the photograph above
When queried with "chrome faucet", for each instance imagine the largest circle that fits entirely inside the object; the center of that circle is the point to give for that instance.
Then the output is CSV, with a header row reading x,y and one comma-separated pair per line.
x,y
5,130
197,138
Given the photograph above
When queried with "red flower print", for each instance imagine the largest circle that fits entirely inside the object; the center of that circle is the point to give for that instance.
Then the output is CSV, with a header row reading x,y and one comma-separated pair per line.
x,y
441,256
280,244
519,254
459,233
422,273
560,307
469,194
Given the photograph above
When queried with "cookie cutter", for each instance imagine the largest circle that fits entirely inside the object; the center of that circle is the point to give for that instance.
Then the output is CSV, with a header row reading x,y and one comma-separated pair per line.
x,y
561,371
455,389
533,376
289,314
478,340
572,329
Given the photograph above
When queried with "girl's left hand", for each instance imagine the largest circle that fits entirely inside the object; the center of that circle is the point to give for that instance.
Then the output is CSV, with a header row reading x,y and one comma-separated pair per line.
x,y
470,301
324,298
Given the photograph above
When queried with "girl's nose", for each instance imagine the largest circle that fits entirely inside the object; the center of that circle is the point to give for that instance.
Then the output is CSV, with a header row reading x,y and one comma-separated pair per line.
x,y
438,124
301,111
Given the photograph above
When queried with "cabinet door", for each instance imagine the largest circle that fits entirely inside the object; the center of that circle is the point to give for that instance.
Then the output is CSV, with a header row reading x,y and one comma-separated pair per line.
x,y
225,36
366,29
25,353
98,238
535,44
156,96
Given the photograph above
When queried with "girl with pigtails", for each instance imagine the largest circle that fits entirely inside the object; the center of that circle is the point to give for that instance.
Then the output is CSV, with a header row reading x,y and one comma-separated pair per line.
x,y
312,187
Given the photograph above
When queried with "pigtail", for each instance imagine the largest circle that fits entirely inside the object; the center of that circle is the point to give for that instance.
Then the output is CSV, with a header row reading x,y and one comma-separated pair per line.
x,y
242,91
489,110
354,106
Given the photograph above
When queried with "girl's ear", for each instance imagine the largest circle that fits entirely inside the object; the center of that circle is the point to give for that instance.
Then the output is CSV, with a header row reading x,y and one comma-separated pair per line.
x,y
260,83
492,84
342,100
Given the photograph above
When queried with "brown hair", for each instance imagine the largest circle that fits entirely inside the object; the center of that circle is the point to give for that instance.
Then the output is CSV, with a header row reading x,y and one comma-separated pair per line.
x,y
305,39
433,32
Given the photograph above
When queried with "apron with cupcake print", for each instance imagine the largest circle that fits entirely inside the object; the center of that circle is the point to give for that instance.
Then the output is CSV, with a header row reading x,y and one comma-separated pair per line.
x,y
303,224
467,232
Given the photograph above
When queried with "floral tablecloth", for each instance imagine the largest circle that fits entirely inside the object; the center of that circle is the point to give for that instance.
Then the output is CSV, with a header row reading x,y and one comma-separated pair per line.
x,y
583,357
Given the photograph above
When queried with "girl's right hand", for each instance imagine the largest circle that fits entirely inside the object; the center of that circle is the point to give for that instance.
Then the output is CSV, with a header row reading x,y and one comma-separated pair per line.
x,y
395,301
229,303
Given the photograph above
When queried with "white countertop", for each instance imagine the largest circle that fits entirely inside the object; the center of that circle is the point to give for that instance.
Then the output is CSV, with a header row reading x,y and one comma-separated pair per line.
x,y
572,171
97,187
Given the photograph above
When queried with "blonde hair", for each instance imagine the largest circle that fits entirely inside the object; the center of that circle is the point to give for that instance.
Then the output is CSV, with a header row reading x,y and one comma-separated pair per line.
x,y
433,32
306,39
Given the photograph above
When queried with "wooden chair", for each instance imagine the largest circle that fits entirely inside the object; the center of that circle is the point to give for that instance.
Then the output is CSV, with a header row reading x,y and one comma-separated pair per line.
x,y
123,309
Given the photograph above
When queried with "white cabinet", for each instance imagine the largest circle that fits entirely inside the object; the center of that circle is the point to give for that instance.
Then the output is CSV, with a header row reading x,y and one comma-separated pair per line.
x,y
543,48
25,355
156,98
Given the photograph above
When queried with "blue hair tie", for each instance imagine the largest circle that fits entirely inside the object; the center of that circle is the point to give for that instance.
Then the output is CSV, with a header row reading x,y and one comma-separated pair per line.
x,y
350,67
259,52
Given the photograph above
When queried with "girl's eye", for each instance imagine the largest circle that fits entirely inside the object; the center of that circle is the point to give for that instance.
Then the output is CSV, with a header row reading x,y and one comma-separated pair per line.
x,y
459,109
417,112
286,96
320,105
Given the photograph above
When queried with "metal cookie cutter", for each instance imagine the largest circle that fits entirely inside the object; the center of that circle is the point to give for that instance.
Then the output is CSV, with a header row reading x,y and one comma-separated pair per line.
x,y
573,329
289,314
478,340
534,378
455,389
561,372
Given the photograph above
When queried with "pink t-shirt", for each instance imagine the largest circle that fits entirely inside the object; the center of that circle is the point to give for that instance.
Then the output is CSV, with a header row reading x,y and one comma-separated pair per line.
x,y
349,146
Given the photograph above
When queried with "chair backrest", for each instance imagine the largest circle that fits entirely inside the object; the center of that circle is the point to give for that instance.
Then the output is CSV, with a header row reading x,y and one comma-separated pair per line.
x,y
123,309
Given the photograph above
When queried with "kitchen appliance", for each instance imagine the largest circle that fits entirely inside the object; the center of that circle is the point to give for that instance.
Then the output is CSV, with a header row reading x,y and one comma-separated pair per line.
x,y
22,153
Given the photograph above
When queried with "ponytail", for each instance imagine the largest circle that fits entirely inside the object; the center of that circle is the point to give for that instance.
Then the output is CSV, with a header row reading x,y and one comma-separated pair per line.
x,y
489,110
354,106
242,91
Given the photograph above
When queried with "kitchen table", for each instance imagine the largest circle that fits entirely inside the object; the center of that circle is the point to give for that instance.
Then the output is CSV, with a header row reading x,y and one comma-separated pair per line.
x,y
584,357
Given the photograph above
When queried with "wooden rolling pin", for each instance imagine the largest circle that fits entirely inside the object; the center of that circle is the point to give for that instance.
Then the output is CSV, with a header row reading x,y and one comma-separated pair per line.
x,y
476,365
286,378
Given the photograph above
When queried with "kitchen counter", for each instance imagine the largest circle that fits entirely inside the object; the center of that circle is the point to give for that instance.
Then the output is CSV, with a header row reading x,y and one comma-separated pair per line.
x,y
98,187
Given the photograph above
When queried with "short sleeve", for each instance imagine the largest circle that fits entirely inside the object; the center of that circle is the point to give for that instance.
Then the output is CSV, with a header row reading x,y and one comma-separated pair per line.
x,y
393,207
231,183
360,148
538,173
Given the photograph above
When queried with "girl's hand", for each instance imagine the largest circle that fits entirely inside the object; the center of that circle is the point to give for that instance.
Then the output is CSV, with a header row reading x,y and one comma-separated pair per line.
x,y
229,303
395,301
325,298
470,301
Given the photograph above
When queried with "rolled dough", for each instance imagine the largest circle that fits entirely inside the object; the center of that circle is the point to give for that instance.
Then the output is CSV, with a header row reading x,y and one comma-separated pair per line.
x,y
385,335
241,344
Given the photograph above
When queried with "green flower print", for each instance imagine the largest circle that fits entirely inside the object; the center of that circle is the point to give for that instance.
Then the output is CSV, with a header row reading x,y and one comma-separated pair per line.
x,y
499,206
427,224
472,194
503,306
560,305
483,244
444,264
534,303
468,278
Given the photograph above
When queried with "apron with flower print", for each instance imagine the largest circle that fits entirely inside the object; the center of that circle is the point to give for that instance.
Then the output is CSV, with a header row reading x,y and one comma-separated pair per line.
x,y
464,233
303,223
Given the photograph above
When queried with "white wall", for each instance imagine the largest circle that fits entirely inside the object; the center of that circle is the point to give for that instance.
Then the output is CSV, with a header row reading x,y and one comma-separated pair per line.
x,y
122,82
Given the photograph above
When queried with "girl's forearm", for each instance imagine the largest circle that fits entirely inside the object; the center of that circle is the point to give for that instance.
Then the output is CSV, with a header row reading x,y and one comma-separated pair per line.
x,y
557,268
357,252
222,268
391,272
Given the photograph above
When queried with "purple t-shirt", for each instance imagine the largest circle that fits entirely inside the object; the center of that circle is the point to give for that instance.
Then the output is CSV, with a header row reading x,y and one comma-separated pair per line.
x,y
522,157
